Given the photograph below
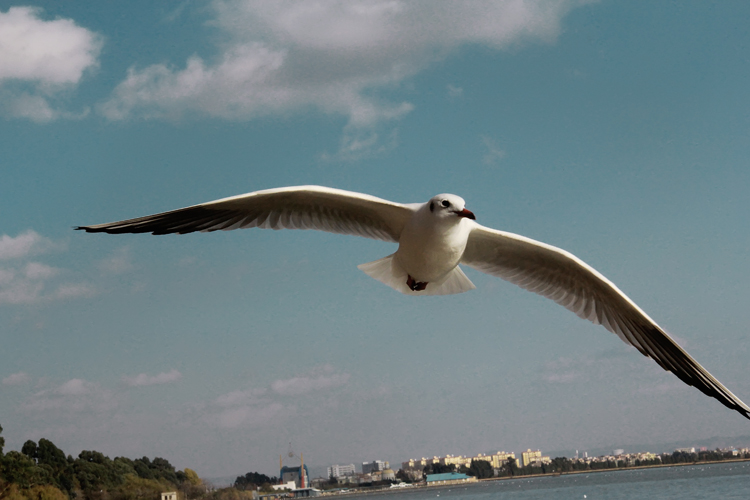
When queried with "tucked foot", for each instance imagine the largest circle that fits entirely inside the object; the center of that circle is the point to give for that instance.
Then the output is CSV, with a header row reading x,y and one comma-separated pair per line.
x,y
415,286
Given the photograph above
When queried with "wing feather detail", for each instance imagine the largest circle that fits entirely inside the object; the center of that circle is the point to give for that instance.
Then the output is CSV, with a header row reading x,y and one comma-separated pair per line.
x,y
566,279
302,207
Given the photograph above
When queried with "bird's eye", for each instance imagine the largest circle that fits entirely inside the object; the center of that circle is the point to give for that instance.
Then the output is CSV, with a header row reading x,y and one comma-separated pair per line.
x,y
445,203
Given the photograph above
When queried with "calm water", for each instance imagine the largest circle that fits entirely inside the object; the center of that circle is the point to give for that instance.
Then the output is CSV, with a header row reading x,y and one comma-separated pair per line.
x,y
729,480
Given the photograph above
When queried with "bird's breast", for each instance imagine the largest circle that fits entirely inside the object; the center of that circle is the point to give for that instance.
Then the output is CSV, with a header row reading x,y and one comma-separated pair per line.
x,y
428,254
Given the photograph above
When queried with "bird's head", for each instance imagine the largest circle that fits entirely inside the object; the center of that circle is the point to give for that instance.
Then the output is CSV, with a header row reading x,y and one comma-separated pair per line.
x,y
449,205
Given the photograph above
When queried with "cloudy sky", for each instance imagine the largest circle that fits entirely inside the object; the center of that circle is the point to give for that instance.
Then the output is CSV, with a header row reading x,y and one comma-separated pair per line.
x,y
619,131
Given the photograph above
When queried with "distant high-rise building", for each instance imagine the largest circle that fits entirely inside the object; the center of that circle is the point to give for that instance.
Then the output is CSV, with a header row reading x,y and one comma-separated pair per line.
x,y
341,470
501,458
534,458
375,465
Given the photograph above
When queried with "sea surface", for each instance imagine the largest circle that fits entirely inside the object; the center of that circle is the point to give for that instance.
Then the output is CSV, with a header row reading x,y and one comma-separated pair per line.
x,y
722,480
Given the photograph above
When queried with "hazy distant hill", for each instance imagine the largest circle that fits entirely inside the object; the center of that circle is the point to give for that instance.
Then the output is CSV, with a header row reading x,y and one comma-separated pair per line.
x,y
222,482
668,447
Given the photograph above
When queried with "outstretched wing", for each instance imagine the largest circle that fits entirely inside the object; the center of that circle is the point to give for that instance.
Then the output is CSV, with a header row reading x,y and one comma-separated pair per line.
x,y
301,207
566,279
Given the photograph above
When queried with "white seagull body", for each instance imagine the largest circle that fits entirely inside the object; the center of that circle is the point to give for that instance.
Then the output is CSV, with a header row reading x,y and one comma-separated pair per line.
x,y
433,239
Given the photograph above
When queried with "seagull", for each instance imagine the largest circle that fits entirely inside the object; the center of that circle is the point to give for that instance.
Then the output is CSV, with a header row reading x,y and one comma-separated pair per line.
x,y
433,239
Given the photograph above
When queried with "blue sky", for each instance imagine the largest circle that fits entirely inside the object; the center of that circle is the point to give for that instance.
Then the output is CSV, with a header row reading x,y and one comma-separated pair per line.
x,y
619,131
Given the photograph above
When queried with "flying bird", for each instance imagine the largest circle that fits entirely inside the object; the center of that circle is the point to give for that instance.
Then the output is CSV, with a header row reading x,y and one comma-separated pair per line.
x,y
433,239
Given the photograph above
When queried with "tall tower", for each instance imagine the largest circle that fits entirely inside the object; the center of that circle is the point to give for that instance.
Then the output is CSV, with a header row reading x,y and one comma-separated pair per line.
x,y
302,477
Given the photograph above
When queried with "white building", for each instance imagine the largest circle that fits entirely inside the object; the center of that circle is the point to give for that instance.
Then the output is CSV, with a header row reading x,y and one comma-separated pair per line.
x,y
341,470
289,485
375,465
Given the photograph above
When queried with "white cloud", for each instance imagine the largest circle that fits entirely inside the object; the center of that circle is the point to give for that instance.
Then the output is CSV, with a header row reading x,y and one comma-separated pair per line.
x,y
494,154
16,379
31,285
454,91
40,59
240,397
568,370
117,263
333,56
37,271
242,408
25,244
73,290
316,380
142,379
75,396
74,387
358,143
260,406
15,289
233,418
23,281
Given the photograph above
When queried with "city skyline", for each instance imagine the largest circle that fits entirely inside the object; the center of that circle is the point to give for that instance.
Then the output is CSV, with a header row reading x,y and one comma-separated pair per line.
x,y
616,131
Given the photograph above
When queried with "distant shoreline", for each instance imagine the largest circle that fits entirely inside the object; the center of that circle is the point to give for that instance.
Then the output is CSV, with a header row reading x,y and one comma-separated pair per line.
x,y
387,491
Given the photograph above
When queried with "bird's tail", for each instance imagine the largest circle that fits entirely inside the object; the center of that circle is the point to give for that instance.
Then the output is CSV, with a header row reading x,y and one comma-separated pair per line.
x,y
388,271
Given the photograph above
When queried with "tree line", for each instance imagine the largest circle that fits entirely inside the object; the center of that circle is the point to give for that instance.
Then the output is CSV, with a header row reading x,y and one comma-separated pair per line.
x,y
42,471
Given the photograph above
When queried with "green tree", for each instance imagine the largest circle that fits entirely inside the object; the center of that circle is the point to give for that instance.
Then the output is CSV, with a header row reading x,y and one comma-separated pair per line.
x,y
192,477
481,469
2,441
510,467
252,480
48,453
17,468
137,488
403,476
43,492
560,464
43,472
30,450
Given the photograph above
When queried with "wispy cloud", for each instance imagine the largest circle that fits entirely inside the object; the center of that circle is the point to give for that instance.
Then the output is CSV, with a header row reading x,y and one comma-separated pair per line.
x,y
454,91
240,397
619,359
564,370
26,281
117,263
242,408
39,60
493,153
288,56
24,245
260,406
357,144
72,397
319,379
73,290
16,379
235,417
142,379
